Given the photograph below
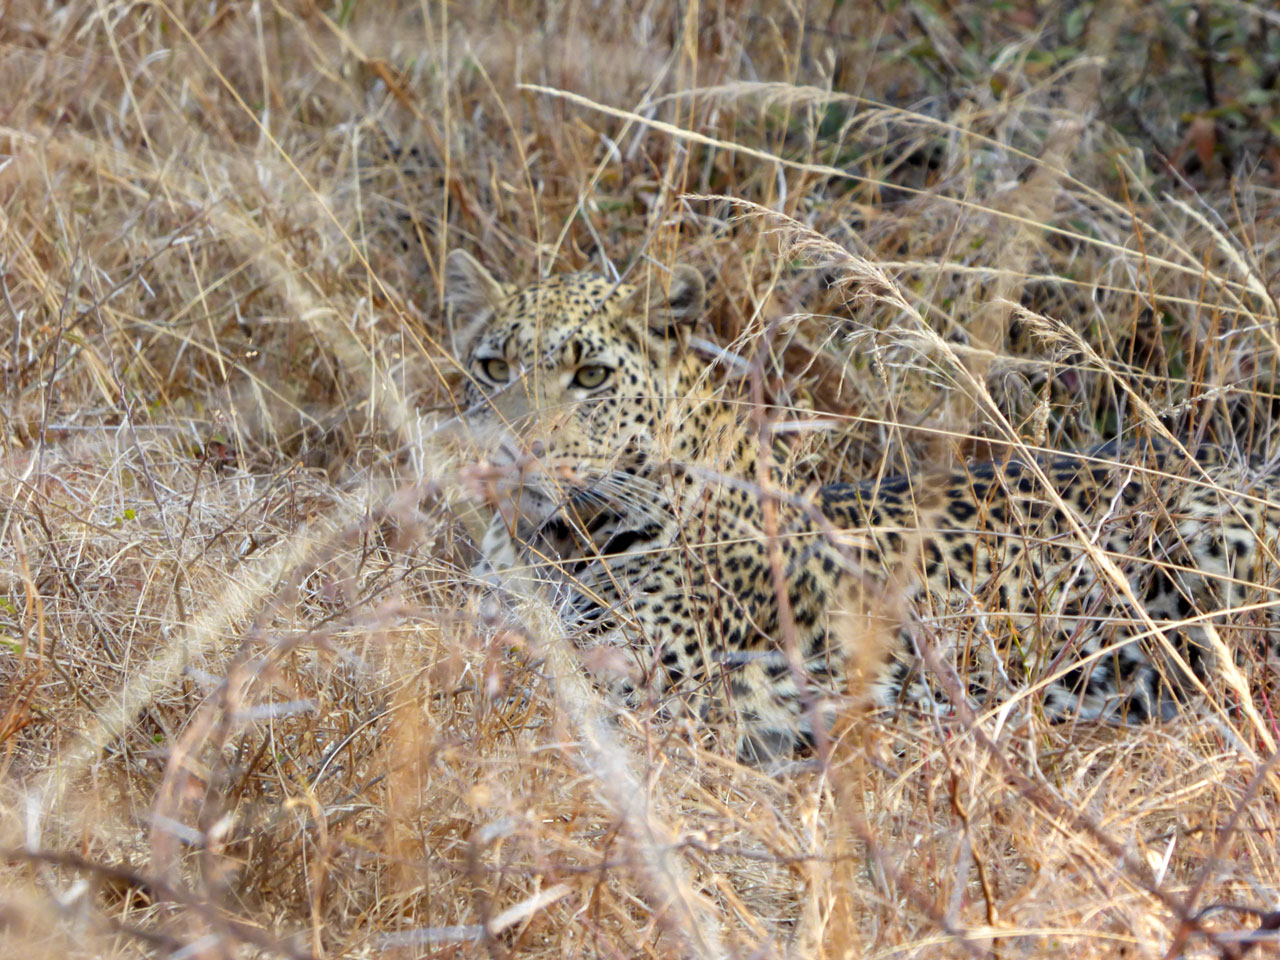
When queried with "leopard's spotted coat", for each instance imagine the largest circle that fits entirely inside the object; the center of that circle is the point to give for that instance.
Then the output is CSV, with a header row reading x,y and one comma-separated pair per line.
x,y
625,481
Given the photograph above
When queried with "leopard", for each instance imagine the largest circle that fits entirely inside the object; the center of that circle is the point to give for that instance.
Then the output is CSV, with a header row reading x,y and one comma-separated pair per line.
x,y
670,528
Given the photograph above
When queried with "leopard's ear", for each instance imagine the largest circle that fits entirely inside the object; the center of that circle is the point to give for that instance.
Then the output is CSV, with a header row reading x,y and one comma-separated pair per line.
x,y
684,303
469,289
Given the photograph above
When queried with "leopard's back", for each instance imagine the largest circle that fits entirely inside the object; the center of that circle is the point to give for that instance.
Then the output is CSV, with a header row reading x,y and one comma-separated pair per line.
x,y
1044,574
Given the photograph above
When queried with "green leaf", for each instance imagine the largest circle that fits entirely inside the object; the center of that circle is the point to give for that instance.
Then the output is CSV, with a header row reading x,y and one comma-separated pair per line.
x,y
1073,26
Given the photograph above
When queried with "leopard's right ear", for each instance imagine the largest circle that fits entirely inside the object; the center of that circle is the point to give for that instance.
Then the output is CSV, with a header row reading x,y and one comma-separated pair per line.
x,y
684,305
469,289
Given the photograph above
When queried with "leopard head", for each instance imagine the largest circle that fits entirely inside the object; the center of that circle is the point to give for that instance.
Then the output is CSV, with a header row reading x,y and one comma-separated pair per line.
x,y
579,390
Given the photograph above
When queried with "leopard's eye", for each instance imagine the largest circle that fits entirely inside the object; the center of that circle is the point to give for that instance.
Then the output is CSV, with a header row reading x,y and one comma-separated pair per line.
x,y
590,377
496,369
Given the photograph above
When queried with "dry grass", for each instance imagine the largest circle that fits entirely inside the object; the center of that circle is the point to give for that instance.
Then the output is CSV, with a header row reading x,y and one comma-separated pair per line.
x,y
253,706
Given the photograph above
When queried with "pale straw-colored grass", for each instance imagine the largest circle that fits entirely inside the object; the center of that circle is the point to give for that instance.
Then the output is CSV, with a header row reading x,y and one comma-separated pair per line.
x,y
252,703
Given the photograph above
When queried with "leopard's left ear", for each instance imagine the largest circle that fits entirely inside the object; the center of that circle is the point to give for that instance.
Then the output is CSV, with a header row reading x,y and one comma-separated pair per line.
x,y
469,289
684,303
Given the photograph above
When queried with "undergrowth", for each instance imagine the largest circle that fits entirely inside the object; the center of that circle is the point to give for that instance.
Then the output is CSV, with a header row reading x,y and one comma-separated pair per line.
x,y
253,703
